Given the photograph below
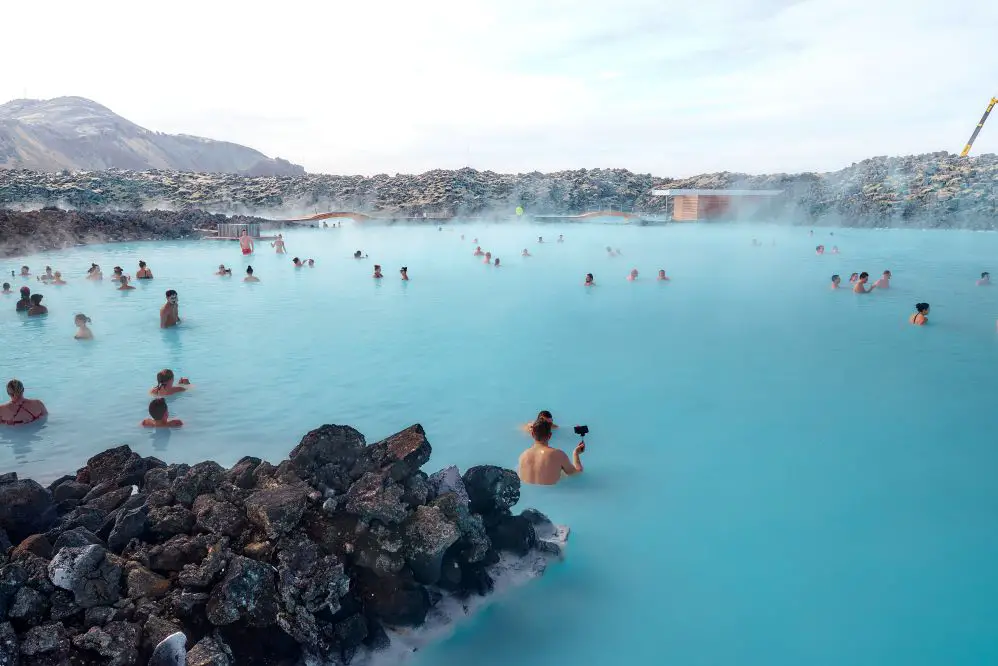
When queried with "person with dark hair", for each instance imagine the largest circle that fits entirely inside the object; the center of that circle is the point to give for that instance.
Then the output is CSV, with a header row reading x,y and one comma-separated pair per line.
x,y
835,281
47,276
541,464
985,279
160,416
37,308
116,273
169,314
377,272
143,273
20,410
94,272
662,277
496,264
83,331
860,287
404,272
488,258
6,288
249,275
525,253
590,280
164,384
297,262
820,249
543,415
921,316
25,303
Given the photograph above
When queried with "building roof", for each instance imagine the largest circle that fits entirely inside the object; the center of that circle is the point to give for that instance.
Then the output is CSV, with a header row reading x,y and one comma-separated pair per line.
x,y
721,193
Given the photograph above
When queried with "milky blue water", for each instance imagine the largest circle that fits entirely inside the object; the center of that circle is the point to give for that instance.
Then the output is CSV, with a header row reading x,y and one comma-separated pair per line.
x,y
777,474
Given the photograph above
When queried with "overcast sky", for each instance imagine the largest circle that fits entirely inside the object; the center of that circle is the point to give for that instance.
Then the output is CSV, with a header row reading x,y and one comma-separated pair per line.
x,y
672,88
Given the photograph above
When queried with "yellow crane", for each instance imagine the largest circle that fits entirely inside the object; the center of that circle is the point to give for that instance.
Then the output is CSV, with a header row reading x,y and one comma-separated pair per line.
x,y
977,130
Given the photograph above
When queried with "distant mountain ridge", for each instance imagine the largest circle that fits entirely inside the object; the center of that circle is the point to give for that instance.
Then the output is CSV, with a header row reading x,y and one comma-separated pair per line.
x,y
78,134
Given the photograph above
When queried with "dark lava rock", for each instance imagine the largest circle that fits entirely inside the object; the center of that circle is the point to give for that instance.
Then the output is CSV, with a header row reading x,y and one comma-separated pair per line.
x,y
401,455
8,477
428,535
326,455
394,600
12,578
145,583
78,536
158,498
26,508
99,489
116,642
5,543
375,496
155,630
98,616
87,572
204,574
247,592
47,638
210,651
36,544
70,490
127,526
120,464
157,479
169,521
111,500
514,534
474,542
351,631
86,517
178,552
9,648
491,489
30,606
309,579
241,474
336,533
417,489
199,479
213,515
276,510
63,606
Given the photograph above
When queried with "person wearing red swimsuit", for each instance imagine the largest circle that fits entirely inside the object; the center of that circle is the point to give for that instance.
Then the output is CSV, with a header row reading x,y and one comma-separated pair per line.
x,y
20,410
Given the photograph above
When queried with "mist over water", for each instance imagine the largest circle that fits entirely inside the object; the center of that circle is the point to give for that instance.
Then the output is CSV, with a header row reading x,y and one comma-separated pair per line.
x,y
777,473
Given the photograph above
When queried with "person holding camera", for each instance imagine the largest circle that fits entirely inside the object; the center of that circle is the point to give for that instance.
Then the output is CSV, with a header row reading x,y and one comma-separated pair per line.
x,y
541,464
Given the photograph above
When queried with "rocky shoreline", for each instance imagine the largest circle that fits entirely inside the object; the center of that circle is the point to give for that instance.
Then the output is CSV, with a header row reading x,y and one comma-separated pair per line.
x,y
321,559
24,232
931,190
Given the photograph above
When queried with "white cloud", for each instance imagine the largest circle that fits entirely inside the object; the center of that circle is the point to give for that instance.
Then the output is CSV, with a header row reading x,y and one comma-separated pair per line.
x,y
516,85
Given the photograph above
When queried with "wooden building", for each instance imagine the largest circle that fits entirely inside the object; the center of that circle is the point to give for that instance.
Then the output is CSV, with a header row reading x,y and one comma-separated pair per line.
x,y
693,205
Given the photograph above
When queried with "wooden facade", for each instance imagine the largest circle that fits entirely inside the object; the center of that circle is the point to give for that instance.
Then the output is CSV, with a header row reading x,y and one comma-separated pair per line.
x,y
693,205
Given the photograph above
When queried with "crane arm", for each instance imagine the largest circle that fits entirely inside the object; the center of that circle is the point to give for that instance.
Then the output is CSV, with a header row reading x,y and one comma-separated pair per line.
x,y
977,130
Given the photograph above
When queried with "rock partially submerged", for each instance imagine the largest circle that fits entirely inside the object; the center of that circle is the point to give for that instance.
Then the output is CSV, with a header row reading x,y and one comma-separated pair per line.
x,y
332,555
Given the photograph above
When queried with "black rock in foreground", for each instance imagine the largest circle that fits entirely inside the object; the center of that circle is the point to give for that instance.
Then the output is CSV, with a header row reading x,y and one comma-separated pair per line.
x,y
315,560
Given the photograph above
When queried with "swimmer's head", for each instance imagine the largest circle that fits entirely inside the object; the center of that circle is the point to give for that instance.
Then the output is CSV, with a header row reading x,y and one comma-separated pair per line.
x,y
589,278
164,377
280,235
142,264
854,276
118,270
171,295
311,262
25,292
634,272
377,267
661,273
404,270
158,409
123,279
836,279
6,286
81,319
488,255
985,275
58,274
36,299
221,268
48,269
887,274
540,430
25,270
864,276
15,388
249,270
497,261
922,308
546,415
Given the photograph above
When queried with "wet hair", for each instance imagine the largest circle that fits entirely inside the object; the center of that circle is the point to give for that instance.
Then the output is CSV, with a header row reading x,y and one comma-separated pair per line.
x,y
85,318
921,307
497,261
296,260
158,409
887,272
36,299
163,376
119,269
377,267
540,430
545,414
864,274
357,254
6,285
15,387
404,269
836,277
249,270
985,274
589,276
142,264
171,292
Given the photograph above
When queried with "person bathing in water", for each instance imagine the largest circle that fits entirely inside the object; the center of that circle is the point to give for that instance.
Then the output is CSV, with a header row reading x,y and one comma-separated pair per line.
x,y
37,308
590,281
525,253
57,279
143,273
359,255
20,410
245,242
24,304
297,262
478,251
662,277
169,314
116,273
159,416
164,384
541,464
854,278
860,286
223,271
123,283
404,272
985,279
311,263
488,258
94,273
47,276
6,289
496,264
377,272
279,244
884,282
633,275
835,281
83,331
921,316
249,275
820,249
